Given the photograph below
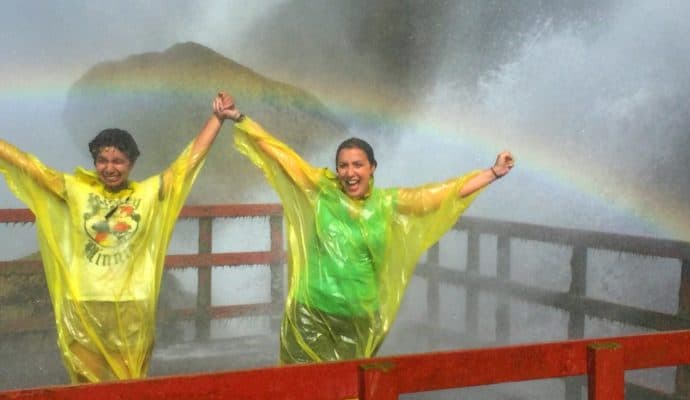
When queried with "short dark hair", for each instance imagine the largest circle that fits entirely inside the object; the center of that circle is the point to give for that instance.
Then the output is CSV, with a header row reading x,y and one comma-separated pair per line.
x,y
357,143
118,138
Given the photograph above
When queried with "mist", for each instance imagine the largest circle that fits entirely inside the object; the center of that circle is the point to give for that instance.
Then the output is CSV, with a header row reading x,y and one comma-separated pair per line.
x,y
591,98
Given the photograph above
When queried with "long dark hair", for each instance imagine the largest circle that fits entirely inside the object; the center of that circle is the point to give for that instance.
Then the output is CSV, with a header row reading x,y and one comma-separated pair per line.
x,y
357,143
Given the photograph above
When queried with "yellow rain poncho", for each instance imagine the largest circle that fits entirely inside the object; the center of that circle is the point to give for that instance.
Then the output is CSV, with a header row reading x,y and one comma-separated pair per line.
x,y
103,256
349,260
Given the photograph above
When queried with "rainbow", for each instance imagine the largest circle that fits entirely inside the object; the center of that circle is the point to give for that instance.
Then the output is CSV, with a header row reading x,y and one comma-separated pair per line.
x,y
665,214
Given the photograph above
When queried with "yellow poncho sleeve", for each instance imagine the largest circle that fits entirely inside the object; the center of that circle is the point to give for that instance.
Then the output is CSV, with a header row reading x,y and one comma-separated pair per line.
x,y
103,256
326,232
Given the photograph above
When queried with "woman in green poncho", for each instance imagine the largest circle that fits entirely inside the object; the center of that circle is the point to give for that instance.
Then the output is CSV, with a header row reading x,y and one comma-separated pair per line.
x,y
103,240
352,247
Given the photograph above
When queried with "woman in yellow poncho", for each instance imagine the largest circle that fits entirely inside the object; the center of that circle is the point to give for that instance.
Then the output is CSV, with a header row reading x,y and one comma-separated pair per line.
x,y
352,247
103,240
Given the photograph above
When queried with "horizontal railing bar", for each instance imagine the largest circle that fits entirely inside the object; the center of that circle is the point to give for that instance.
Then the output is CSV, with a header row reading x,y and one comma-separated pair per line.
x,y
463,368
16,215
413,372
231,210
578,237
171,262
231,311
592,239
24,215
221,259
592,307
47,322
562,300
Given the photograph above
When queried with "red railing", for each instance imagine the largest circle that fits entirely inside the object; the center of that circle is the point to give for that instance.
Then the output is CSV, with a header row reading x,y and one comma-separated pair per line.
x,y
203,261
434,371
603,361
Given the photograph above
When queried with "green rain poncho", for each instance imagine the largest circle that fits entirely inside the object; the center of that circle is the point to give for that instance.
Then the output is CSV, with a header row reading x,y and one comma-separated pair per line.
x,y
103,255
349,260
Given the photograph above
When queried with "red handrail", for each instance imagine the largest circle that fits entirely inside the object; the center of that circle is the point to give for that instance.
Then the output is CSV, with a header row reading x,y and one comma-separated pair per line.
x,y
202,261
23,215
387,377
603,360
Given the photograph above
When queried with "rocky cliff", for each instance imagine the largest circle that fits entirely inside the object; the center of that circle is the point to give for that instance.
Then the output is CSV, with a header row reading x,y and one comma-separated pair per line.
x,y
164,98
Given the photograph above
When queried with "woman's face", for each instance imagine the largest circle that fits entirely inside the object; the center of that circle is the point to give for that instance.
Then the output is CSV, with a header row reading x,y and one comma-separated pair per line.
x,y
113,168
354,171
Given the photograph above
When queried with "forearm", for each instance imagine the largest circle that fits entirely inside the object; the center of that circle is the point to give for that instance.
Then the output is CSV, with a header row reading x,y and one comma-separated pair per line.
x,y
427,198
25,164
206,136
478,182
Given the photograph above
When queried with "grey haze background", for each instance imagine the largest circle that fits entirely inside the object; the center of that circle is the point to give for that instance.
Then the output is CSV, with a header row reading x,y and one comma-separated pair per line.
x,y
439,87
596,84
599,85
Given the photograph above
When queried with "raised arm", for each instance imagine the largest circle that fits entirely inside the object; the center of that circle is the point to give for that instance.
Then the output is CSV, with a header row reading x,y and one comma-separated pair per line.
x,y
189,161
504,163
429,197
301,172
208,133
18,163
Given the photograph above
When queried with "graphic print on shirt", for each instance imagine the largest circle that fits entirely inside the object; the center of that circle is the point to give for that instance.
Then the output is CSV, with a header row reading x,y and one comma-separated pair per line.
x,y
109,223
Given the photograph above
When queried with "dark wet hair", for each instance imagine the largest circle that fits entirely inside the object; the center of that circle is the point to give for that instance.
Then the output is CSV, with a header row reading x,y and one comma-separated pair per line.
x,y
357,143
117,138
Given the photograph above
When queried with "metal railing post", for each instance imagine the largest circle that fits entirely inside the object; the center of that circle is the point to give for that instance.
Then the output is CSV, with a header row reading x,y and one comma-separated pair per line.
x,y
683,371
578,287
203,297
378,381
605,372
576,318
433,301
277,267
472,293
503,274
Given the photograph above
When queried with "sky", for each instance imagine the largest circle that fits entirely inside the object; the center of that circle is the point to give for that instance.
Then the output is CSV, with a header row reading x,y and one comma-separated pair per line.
x,y
589,96
70,36
47,46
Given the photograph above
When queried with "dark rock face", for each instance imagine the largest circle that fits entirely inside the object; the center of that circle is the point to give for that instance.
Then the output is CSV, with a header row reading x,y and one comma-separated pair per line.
x,y
163,99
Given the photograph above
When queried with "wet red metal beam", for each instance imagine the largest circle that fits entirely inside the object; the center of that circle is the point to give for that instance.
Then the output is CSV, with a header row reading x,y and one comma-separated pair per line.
x,y
403,374
230,210
315,381
231,311
378,381
14,215
219,259
462,368
172,261
23,215
605,373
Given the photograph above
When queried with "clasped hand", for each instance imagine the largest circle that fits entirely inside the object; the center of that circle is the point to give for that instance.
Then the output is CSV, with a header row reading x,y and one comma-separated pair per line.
x,y
224,107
